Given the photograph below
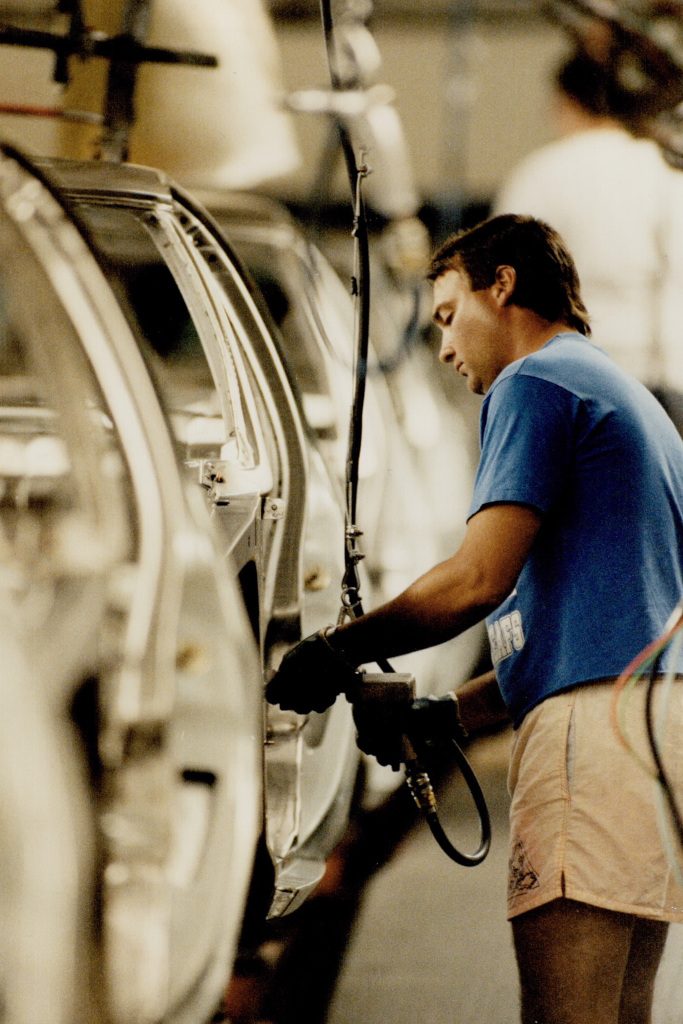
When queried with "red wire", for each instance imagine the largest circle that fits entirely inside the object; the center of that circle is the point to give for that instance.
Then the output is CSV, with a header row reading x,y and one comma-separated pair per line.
x,y
27,110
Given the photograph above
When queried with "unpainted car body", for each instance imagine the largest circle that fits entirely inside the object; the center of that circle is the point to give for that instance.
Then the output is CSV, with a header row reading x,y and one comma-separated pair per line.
x,y
241,436
130,792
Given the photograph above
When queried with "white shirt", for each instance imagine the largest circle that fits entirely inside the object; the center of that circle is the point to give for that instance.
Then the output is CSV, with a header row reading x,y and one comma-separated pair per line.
x,y
619,208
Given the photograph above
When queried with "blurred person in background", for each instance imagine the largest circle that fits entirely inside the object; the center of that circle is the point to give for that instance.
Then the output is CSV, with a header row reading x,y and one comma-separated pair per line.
x,y
619,207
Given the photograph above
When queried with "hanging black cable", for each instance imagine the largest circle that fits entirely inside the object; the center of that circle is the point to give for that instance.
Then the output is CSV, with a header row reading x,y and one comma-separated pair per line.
x,y
417,779
351,600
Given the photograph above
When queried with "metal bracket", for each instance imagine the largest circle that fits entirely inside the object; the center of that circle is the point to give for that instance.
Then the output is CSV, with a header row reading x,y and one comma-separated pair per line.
x,y
273,508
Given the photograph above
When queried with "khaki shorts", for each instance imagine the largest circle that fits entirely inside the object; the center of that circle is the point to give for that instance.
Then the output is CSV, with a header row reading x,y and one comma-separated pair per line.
x,y
585,816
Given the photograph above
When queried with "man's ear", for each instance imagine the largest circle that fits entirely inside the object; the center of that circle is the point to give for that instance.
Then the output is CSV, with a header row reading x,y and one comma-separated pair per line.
x,y
504,284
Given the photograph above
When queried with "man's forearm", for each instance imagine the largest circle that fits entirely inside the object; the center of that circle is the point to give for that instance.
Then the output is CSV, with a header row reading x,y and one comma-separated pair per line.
x,y
452,596
394,629
481,705
438,606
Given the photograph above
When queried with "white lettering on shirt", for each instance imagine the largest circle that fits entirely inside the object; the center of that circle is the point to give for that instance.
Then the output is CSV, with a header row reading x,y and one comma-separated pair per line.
x,y
505,636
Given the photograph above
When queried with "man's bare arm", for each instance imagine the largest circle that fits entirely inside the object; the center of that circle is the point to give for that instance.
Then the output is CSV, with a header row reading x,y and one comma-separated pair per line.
x,y
453,595
480,704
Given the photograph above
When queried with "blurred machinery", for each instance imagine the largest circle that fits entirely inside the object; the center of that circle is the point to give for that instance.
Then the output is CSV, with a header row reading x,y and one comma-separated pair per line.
x,y
115,81
640,44
230,132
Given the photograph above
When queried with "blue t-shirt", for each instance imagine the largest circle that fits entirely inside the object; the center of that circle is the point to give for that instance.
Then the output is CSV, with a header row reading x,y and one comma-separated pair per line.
x,y
567,432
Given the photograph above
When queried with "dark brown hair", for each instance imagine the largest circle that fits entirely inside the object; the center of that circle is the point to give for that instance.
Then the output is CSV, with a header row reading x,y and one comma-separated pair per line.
x,y
547,280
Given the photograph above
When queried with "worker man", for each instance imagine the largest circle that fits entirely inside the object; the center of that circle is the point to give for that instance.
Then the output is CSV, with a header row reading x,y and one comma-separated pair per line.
x,y
574,555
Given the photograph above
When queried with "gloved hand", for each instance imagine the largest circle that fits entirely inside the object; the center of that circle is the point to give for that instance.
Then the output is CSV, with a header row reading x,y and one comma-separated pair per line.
x,y
435,721
310,676
380,727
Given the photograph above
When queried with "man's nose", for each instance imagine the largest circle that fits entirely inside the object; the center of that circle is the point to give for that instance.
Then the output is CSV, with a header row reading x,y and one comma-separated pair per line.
x,y
446,352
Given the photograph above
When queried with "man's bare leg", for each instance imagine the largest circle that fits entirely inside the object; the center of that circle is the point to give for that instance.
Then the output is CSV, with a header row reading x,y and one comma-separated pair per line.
x,y
645,954
574,962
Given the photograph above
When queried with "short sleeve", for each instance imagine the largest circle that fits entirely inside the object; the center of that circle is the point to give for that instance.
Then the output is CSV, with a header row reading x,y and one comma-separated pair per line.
x,y
527,450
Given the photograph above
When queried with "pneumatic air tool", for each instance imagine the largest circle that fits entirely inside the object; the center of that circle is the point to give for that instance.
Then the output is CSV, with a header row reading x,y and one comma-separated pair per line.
x,y
383,706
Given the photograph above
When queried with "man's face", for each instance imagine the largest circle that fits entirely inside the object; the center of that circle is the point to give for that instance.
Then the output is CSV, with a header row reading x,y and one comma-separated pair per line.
x,y
470,324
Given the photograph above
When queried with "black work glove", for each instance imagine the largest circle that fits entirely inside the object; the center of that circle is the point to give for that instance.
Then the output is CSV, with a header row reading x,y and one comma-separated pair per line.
x,y
310,676
433,722
380,727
